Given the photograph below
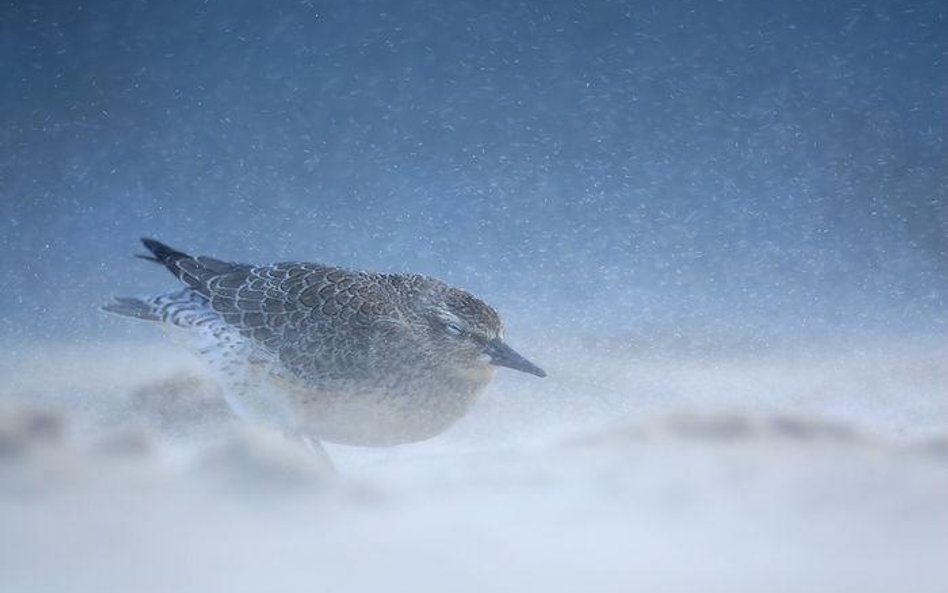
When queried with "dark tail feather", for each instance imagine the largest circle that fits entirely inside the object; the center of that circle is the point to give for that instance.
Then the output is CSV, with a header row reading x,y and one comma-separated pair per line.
x,y
193,271
161,253
130,307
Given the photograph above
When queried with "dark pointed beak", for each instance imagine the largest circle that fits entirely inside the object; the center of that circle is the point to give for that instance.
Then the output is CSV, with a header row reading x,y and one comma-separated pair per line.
x,y
503,355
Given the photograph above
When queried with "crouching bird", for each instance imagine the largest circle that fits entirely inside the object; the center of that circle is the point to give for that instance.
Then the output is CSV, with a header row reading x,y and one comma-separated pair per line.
x,y
331,354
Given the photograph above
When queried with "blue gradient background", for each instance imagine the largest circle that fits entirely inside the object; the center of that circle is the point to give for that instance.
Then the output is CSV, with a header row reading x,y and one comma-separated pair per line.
x,y
761,170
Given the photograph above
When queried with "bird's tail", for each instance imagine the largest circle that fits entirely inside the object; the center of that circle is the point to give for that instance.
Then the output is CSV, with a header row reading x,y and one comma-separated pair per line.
x,y
131,307
161,253
193,271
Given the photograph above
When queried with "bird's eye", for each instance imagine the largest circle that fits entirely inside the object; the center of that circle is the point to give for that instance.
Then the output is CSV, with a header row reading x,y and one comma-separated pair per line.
x,y
453,329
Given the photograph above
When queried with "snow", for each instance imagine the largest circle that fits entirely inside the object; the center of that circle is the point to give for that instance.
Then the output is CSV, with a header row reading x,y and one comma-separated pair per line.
x,y
833,478
721,227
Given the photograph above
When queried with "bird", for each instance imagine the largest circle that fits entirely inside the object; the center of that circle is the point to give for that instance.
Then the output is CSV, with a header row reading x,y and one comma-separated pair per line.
x,y
331,354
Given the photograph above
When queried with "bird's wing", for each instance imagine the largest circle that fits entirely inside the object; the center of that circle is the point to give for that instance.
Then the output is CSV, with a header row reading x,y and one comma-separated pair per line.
x,y
315,319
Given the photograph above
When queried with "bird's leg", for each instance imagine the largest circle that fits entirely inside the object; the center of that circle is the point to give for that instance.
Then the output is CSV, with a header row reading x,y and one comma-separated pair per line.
x,y
319,451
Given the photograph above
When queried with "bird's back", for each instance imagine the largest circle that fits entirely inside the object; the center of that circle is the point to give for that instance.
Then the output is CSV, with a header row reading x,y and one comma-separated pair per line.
x,y
323,323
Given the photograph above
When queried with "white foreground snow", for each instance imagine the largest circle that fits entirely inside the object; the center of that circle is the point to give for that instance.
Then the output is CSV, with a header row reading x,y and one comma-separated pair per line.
x,y
807,470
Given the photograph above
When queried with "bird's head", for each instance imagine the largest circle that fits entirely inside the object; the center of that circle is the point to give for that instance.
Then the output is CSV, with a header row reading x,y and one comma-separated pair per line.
x,y
468,329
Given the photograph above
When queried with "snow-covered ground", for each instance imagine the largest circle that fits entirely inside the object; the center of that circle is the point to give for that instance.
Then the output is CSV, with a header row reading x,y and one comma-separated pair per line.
x,y
650,468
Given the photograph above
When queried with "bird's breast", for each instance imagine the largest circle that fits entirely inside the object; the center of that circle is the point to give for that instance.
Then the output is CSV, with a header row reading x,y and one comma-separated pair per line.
x,y
381,413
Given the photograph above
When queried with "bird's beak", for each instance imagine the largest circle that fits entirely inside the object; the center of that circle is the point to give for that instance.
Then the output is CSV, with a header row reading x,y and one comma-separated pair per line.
x,y
503,355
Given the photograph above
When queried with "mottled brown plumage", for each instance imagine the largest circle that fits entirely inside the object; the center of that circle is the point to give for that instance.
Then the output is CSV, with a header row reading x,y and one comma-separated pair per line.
x,y
333,354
